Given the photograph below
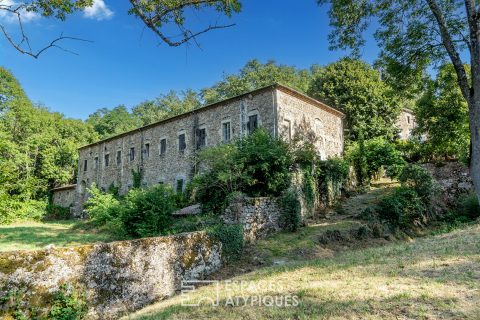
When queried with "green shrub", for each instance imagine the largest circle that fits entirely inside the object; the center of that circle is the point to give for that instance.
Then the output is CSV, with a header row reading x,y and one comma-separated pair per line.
x,y
68,304
469,207
14,209
55,212
403,208
309,189
231,237
373,155
147,212
420,180
291,211
102,207
257,165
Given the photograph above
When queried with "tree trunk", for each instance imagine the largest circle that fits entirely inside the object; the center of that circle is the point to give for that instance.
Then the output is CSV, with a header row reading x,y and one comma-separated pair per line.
x,y
475,140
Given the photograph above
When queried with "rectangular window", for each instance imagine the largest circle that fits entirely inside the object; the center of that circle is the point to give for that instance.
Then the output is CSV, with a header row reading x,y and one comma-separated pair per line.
x,y
408,119
163,147
182,145
179,185
96,162
119,157
288,130
107,160
226,132
85,165
132,154
201,138
147,150
252,123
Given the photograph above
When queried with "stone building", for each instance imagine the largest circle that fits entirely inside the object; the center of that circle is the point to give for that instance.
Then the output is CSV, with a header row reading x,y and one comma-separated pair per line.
x,y
406,123
164,152
64,196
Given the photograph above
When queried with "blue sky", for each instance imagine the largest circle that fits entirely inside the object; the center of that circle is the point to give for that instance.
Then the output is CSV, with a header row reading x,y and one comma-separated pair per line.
x,y
127,64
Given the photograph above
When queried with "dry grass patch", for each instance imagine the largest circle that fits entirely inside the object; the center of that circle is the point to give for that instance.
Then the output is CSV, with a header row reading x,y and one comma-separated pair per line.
x,y
435,277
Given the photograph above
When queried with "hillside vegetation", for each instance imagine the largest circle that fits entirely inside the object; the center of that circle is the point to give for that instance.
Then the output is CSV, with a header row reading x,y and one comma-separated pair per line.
x,y
436,277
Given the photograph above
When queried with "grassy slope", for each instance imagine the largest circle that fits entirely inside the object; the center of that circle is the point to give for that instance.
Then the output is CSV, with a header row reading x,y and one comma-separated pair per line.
x,y
436,277
37,235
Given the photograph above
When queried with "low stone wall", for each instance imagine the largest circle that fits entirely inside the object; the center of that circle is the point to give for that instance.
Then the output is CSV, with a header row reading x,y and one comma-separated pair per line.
x,y
117,277
454,180
260,217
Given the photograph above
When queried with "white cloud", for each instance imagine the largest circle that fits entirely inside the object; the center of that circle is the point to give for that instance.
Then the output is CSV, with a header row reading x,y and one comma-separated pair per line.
x,y
98,11
9,17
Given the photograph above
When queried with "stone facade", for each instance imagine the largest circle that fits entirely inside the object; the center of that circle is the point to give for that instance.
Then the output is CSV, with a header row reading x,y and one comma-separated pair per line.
x,y
165,152
117,277
406,123
64,196
260,217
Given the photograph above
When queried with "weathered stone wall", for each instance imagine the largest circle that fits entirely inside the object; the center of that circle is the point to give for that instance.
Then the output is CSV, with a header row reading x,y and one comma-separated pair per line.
x,y
64,196
117,277
406,123
453,179
174,165
260,217
273,105
313,120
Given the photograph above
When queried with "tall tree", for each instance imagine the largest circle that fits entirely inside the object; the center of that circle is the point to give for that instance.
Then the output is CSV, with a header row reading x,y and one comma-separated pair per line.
x,y
255,75
166,106
415,34
108,122
442,115
157,15
356,88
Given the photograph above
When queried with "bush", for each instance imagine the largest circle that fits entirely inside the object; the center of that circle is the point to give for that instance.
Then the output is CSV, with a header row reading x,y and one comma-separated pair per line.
x,y
68,304
420,180
403,208
257,165
147,212
231,237
372,156
55,212
291,211
102,207
468,207
14,209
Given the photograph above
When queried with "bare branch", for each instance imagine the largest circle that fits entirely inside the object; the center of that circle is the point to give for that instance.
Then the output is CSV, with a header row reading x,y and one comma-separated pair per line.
x,y
451,49
18,45
153,21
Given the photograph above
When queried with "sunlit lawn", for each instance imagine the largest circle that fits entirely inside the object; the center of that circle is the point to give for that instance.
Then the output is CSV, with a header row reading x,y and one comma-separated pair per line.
x,y
436,277
37,235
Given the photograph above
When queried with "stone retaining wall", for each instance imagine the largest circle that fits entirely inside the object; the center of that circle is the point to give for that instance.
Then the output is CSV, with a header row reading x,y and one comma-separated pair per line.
x,y
260,217
117,277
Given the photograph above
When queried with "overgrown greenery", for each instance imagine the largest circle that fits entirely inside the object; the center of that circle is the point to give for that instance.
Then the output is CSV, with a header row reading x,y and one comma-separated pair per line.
x,y
368,157
67,303
141,213
257,165
291,215
231,237
411,204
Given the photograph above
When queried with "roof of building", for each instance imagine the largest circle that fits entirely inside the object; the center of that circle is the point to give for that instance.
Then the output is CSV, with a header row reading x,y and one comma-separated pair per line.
x,y
65,187
278,86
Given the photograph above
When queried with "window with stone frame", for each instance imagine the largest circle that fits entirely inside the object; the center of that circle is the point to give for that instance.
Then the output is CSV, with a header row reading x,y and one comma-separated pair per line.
x,y
201,137
147,150
287,124
107,160
252,123
163,147
85,165
119,157
226,133
132,154
180,184
182,145
96,162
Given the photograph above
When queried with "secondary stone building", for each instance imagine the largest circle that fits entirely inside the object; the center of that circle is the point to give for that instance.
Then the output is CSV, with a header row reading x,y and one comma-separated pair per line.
x,y
165,151
406,123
